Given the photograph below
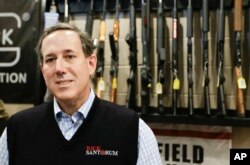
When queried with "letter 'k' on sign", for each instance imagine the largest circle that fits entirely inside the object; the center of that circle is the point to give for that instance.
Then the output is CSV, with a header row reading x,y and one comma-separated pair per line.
x,y
6,39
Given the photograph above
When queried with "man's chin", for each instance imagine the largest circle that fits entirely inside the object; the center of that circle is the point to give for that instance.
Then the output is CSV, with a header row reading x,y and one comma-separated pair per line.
x,y
64,97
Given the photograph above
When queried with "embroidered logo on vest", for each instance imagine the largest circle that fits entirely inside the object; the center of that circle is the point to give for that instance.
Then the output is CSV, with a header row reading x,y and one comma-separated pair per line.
x,y
97,150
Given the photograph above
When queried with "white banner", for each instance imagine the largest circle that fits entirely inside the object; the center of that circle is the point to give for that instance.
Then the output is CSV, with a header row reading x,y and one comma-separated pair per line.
x,y
193,144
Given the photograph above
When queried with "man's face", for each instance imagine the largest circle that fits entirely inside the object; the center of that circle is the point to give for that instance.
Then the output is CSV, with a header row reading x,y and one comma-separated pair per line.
x,y
65,68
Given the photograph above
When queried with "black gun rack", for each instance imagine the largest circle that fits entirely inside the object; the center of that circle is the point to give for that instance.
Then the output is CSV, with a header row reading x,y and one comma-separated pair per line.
x,y
83,6
199,117
182,117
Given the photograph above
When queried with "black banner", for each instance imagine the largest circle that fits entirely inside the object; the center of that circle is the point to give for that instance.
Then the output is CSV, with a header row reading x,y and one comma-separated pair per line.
x,y
21,22
239,156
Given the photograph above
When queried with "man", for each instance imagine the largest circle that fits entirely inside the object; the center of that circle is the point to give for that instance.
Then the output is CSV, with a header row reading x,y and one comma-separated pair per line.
x,y
76,127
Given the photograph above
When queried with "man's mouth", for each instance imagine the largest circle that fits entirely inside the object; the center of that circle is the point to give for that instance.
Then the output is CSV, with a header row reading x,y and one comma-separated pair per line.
x,y
63,82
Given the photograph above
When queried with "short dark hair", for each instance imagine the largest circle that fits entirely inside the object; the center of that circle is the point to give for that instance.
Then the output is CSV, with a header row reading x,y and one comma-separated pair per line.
x,y
87,44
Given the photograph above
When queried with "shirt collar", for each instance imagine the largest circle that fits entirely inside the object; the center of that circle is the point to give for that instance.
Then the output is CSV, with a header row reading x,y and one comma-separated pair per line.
x,y
84,109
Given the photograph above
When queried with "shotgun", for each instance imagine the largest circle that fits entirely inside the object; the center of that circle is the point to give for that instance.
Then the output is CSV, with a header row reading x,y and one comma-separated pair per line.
x,y
131,41
220,60
113,40
100,86
205,53
241,84
189,56
146,75
176,81
161,51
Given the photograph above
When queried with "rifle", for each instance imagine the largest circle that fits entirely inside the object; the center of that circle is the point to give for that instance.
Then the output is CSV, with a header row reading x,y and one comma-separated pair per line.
x,y
100,54
66,11
189,56
113,39
240,80
161,51
131,41
220,60
206,79
146,75
176,81
89,20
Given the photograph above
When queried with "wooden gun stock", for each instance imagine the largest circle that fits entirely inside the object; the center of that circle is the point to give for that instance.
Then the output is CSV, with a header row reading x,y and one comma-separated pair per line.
x,y
116,30
113,90
239,95
102,31
237,15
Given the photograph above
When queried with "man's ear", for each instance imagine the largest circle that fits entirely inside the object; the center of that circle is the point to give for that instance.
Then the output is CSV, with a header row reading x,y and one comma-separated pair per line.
x,y
41,67
92,64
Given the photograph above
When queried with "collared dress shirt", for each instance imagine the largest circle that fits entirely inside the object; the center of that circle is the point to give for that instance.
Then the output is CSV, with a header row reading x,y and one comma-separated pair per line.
x,y
148,152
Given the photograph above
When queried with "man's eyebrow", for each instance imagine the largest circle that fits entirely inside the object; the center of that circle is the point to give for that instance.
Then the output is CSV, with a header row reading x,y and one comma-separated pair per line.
x,y
68,51
49,55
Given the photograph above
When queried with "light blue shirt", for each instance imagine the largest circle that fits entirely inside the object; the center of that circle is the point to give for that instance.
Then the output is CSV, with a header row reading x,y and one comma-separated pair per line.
x,y
148,152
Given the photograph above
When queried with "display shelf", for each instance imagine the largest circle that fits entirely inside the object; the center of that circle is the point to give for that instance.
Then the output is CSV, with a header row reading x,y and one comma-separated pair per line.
x,y
198,118
83,6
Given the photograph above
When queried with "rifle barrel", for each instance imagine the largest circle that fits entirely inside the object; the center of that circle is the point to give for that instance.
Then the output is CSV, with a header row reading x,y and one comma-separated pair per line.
x,y
89,20
146,77
189,57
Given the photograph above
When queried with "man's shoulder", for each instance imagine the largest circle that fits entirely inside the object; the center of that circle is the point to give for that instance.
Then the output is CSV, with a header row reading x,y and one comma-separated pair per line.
x,y
32,112
116,108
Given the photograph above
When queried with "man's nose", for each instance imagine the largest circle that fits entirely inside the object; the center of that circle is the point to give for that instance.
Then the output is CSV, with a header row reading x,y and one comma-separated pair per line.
x,y
59,67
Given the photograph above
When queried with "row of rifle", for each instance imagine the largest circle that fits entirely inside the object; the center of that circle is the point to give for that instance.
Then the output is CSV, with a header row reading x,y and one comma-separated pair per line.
x,y
113,38
146,74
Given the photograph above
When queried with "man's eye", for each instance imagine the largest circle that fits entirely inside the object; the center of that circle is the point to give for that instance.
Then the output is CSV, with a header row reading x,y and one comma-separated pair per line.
x,y
70,56
49,60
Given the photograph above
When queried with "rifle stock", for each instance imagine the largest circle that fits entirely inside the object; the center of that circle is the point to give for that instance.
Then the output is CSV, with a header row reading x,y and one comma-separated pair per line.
x,y
240,106
102,31
238,71
116,26
116,29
